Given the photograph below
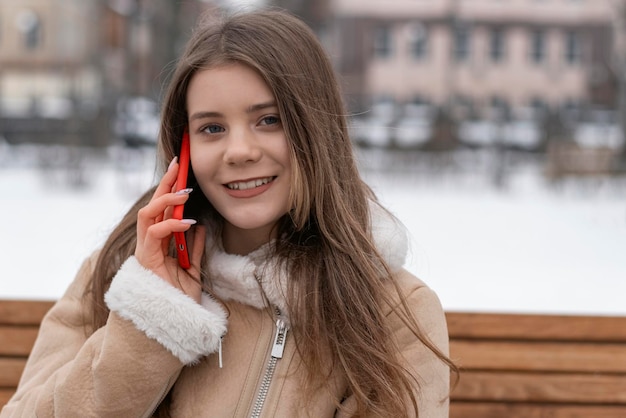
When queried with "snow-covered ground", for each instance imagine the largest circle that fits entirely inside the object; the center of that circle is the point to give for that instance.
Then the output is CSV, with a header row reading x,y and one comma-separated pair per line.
x,y
526,247
530,247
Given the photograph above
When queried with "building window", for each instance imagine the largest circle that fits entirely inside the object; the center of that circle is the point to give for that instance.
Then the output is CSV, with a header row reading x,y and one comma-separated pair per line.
x,y
462,43
418,42
463,106
497,45
419,100
29,25
539,107
499,107
538,46
572,47
382,42
570,110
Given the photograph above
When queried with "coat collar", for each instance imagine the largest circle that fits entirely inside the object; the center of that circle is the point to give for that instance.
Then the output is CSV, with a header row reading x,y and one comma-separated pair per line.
x,y
252,278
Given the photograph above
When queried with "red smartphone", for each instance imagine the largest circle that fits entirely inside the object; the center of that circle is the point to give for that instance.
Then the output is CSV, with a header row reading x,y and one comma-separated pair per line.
x,y
181,183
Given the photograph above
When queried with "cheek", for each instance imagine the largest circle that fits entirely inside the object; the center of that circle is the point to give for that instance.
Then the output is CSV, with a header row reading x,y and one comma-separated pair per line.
x,y
202,160
201,171
286,156
194,156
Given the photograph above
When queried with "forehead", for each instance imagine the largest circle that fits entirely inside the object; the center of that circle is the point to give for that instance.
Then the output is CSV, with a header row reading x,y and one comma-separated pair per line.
x,y
233,81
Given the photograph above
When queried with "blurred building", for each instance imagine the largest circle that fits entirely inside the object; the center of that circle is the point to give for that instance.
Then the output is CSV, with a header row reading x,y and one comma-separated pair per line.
x,y
475,55
67,67
48,65
48,49
73,70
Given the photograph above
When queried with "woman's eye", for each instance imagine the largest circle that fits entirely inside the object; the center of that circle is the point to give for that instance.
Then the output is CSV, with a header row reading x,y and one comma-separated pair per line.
x,y
213,129
270,120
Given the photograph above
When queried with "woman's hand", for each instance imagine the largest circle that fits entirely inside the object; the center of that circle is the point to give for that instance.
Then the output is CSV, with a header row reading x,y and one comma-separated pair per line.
x,y
155,227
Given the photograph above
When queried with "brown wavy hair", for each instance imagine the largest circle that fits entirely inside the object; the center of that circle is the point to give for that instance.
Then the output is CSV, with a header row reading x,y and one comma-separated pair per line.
x,y
338,284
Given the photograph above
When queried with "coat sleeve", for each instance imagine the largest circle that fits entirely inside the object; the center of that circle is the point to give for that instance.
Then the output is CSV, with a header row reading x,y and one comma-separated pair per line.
x,y
125,368
433,375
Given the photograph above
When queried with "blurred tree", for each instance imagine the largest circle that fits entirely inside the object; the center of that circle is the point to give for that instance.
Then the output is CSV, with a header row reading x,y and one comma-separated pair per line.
x,y
314,12
148,35
619,68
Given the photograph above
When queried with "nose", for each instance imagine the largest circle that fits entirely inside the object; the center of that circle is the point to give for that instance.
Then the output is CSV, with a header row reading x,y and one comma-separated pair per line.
x,y
242,147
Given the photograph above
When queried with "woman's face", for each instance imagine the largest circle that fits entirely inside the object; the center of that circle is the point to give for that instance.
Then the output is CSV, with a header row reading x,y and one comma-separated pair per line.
x,y
239,153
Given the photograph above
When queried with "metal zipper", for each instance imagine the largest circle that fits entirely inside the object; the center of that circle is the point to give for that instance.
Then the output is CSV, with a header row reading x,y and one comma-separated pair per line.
x,y
278,348
220,362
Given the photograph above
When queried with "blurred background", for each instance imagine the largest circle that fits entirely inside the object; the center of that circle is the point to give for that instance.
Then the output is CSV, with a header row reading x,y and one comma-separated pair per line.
x,y
494,129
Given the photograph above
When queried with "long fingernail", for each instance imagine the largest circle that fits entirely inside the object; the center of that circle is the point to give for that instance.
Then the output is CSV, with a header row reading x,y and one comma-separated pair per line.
x,y
172,163
185,191
189,221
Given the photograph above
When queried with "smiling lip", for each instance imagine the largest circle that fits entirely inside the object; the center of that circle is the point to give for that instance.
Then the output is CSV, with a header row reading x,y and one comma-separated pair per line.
x,y
249,188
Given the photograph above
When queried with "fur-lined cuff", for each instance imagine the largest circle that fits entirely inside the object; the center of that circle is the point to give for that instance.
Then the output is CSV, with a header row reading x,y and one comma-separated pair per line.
x,y
164,313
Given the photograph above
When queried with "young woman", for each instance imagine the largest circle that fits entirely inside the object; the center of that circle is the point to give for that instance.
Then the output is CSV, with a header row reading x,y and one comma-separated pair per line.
x,y
295,304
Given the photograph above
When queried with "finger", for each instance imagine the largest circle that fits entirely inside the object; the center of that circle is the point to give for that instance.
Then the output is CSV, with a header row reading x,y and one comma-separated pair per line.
x,y
168,180
166,228
160,205
142,233
168,212
155,209
153,213
158,233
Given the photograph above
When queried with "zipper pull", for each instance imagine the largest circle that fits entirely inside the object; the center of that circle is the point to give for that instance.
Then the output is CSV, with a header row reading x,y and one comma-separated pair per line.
x,y
279,339
219,353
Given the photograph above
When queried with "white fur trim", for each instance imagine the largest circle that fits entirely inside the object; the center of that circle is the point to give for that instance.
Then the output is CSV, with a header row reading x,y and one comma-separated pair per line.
x,y
187,329
390,237
234,277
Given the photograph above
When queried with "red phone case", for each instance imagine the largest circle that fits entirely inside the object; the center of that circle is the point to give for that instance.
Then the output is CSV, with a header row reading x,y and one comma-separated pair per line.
x,y
181,183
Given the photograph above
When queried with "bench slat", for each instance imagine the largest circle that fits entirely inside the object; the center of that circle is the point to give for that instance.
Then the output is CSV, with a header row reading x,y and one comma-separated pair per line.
x,y
17,341
489,410
514,365
23,312
5,395
12,369
538,356
541,327
533,387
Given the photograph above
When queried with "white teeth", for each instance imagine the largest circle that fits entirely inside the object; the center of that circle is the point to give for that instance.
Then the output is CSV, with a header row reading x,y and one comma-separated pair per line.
x,y
244,185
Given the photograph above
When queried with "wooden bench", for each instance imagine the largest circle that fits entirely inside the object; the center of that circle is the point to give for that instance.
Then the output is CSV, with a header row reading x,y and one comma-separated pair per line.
x,y
570,159
19,323
513,366
533,366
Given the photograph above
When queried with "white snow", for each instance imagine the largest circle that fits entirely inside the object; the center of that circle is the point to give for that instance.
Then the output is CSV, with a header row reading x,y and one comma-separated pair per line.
x,y
529,247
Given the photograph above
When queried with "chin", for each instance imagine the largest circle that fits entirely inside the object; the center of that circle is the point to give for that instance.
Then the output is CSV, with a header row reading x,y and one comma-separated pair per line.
x,y
247,223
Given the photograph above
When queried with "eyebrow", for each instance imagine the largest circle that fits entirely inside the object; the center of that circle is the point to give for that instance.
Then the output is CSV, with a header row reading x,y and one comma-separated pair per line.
x,y
261,106
250,109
